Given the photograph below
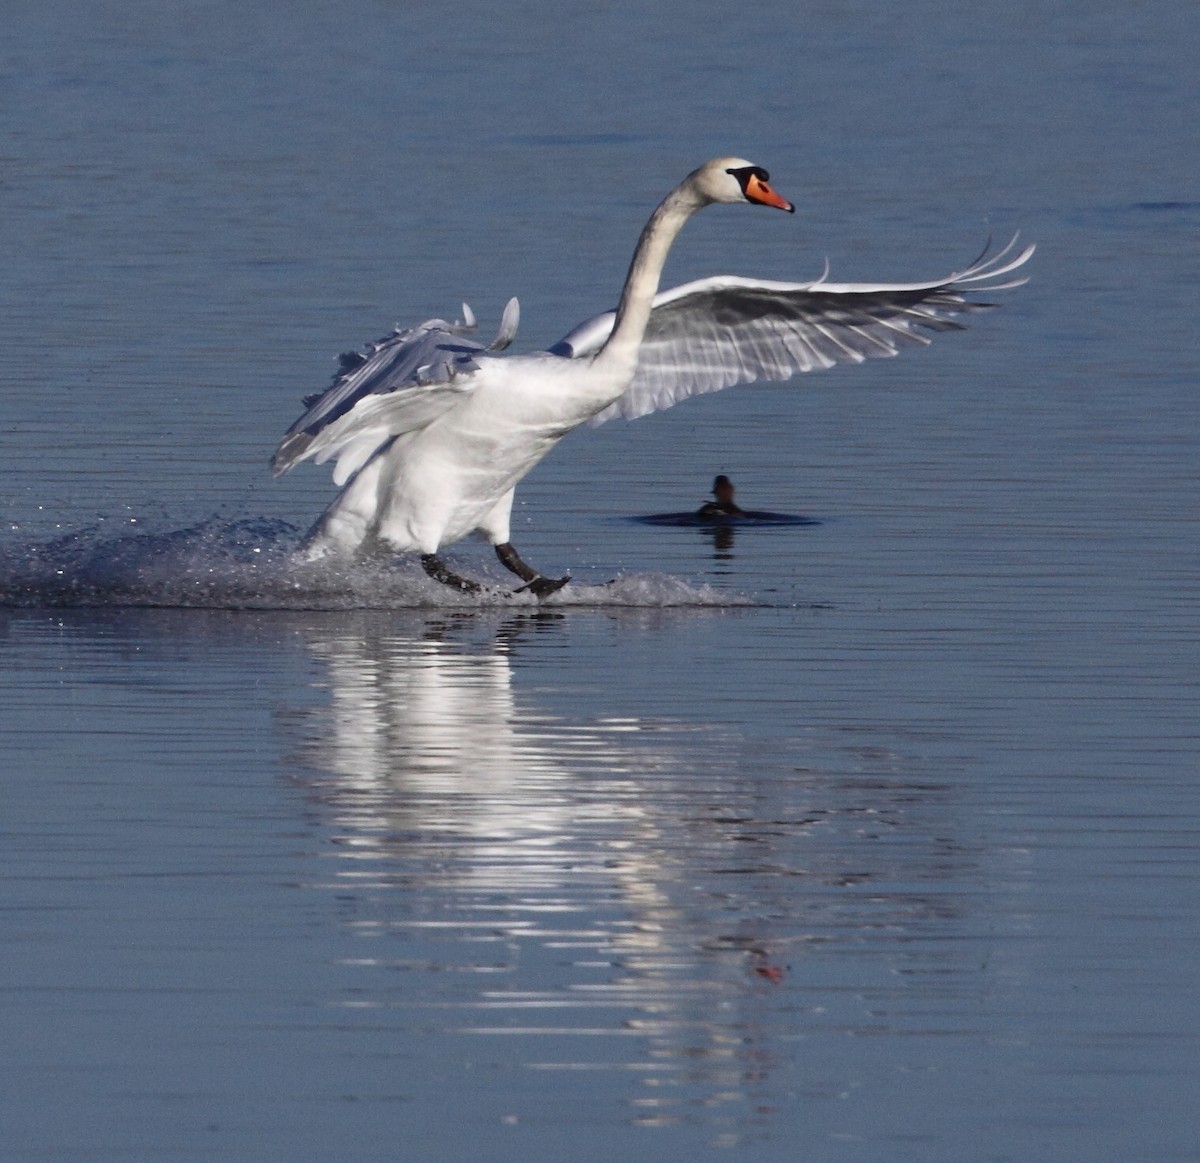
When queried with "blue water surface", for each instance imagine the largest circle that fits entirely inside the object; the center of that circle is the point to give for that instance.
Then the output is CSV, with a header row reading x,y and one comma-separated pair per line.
x,y
872,837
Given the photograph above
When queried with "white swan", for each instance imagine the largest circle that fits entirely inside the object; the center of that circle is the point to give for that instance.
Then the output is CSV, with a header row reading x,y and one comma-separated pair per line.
x,y
432,431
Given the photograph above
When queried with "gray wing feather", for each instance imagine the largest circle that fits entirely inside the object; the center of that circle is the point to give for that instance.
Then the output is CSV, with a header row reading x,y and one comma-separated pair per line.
x,y
714,333
417,372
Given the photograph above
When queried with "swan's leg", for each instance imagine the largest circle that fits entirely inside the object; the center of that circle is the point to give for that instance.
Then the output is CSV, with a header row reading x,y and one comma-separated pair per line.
x,y
348,524
536,584
440,571
495,527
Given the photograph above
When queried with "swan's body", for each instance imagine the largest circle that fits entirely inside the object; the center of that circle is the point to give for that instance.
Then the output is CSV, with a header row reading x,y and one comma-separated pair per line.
x,y
432,431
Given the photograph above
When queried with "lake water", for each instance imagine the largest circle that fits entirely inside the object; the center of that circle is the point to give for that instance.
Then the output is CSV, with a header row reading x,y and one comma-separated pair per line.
x,y
871,838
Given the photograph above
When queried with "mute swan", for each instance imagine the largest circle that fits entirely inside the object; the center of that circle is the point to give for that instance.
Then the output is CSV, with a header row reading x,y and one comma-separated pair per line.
x,y
432,431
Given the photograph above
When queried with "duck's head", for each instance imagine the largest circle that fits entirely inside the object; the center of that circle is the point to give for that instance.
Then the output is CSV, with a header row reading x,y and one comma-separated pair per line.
x,y
723,489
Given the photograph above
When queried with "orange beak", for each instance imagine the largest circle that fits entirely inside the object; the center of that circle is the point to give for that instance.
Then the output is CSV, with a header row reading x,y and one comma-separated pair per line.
x,y
758,191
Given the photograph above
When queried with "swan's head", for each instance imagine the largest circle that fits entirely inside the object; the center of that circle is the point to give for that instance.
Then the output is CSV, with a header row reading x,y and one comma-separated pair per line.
x,y
732,180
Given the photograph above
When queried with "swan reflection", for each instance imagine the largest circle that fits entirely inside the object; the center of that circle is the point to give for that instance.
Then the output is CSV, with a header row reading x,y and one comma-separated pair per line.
x,y
626,893
474,825
425,731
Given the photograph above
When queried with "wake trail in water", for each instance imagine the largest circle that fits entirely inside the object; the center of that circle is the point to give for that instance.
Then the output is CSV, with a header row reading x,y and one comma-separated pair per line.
x,y
254,563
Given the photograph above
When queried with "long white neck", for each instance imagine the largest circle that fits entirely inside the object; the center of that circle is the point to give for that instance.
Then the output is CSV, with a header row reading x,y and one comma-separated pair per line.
x,y
641,284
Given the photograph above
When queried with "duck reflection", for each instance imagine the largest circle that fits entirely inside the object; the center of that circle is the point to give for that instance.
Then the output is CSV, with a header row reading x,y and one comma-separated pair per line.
x,y
722,537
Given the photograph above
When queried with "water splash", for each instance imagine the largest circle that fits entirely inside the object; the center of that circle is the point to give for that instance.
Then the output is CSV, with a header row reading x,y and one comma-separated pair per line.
x,y
253,563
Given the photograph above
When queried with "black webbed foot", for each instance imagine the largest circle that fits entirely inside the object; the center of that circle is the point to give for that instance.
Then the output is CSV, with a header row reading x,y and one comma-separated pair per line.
x,y
537,585
441,572
542,587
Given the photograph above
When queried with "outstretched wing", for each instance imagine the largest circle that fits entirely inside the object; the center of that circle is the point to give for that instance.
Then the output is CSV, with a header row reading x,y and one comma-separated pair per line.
x,y
404,382
727,330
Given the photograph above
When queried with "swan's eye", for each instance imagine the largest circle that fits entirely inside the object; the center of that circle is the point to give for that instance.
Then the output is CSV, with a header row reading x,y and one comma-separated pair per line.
x,y
746,173
753,181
